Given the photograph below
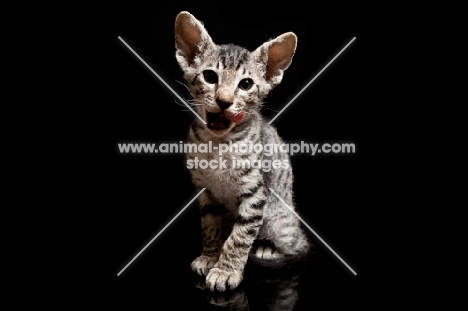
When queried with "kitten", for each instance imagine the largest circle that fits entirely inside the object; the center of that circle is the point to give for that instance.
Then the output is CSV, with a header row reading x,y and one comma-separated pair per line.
x,y
228,84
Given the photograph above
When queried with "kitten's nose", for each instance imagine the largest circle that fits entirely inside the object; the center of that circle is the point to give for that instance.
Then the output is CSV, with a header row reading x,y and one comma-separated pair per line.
x,y
223,104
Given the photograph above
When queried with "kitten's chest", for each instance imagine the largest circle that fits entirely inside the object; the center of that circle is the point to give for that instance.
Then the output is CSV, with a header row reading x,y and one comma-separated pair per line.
x,y
220,173
216,166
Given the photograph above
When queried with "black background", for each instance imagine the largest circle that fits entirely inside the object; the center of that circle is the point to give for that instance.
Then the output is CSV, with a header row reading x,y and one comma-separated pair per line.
x,y
127,199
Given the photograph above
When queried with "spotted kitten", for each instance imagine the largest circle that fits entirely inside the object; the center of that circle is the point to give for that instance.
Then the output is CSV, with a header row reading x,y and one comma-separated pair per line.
x,y
228,84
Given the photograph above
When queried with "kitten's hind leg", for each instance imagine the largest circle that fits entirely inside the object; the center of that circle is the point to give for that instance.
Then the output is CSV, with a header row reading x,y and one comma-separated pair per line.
x,y
283,230
281,241
266,252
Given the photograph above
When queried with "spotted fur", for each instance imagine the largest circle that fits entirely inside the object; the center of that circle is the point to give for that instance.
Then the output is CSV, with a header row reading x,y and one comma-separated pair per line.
x,y
237,208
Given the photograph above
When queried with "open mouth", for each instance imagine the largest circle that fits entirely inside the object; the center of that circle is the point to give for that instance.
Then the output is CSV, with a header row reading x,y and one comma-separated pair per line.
x,y
217,121
221,121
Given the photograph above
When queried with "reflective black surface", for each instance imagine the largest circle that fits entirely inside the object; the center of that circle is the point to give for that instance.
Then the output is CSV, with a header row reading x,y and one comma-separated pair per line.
x,y
161,275
320,281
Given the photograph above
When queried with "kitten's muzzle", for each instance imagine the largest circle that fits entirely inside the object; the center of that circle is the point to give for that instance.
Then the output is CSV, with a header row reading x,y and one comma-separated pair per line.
x,y
224,105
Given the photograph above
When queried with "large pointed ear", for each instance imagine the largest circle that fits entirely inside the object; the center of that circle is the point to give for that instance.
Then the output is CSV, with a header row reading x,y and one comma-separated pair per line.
x,y
275,56
191,39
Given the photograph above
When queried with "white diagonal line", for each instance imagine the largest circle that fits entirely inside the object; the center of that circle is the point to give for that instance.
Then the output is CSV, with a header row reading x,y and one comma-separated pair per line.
x,y
308,227
300,92
161,79
159,233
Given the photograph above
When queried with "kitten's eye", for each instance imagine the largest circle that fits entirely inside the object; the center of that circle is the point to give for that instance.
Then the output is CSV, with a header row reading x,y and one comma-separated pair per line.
x,y
210,76
245,84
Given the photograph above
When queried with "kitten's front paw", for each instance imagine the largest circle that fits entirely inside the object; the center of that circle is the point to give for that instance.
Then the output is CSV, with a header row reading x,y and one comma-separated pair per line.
x,y
202,264
218,279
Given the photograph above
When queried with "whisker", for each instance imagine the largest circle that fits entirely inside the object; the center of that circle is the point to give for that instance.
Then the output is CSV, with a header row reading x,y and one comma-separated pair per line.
x,y
183,85
188,101
179,103
270,108
263,106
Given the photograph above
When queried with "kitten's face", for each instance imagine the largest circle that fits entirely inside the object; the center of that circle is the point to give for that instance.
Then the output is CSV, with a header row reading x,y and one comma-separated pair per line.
x,y
226,88
227,82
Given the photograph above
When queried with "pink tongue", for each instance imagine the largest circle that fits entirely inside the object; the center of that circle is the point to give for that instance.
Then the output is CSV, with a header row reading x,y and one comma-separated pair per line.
x,y
238,117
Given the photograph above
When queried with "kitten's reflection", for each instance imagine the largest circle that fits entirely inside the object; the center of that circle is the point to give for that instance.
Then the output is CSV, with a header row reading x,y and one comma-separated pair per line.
x,y
260,290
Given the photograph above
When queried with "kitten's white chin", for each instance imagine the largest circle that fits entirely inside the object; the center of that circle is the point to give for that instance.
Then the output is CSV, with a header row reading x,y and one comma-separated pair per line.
x,y
220,133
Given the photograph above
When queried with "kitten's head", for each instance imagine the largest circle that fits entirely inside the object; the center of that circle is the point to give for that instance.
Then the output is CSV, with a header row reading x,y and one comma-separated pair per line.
x,y
228,82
